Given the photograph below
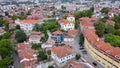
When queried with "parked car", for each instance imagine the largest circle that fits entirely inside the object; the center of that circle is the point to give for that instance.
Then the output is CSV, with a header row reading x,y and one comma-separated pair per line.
x,y
84,52
95,64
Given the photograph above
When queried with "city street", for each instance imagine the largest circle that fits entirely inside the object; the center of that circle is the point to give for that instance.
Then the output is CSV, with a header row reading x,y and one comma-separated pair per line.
x,y
75,45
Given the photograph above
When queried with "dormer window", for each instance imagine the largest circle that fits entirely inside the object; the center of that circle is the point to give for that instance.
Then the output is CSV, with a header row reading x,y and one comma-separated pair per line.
x,y
117,56
108,52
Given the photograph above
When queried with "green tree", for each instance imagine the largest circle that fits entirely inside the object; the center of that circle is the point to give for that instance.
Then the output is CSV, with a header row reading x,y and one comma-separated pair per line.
x,y
49,52
6,48
41,56
63,7
100,28
22,16
4,63
36,46
81,38
116,19
77,57
17,27
14,17
110,29
50,66
76,24
6,35
1,22
36,27
114,40
117,32
20,36
88,13
79,14
105,10
117,25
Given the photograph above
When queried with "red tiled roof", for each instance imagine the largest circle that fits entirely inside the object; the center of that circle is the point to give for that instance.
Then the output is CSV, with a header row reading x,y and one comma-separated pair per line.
x,y
74,64
65,21
73,31
25,51
62,51
1,31
57,32
30,21
110,22
100,45
85,21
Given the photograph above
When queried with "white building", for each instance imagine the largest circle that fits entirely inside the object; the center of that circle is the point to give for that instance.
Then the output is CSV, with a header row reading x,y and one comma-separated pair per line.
x,y
35,37
48,44
27,25
62,54
67,24
68,38
2,31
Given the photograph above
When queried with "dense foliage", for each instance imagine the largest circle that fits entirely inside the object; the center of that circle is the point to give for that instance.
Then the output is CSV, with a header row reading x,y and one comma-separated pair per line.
x,y
20,36
105,10
77,57
100,28
6,49
41,55
87,13
114,40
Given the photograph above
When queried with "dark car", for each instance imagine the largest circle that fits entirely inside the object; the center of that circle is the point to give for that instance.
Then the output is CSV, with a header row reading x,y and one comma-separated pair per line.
x,y
94,64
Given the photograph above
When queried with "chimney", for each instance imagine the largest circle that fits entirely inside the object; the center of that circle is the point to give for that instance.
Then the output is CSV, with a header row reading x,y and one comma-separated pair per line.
x,y
98,39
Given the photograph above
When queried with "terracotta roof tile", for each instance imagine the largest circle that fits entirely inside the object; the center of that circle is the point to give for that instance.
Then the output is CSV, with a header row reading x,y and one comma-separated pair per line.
x,y
30,21
73,31
100,45
57,32
62,51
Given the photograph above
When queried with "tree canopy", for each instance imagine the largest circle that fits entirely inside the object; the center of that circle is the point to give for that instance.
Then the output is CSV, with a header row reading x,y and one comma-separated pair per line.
x,y
114,40
50,66
110,29
105,10
6,49
20,36
87,13
77,57
100,28
41,55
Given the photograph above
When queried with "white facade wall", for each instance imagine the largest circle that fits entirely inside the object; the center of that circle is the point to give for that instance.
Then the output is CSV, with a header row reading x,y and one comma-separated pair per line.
x,y
34,40
68,39
69,26
63,59
71,19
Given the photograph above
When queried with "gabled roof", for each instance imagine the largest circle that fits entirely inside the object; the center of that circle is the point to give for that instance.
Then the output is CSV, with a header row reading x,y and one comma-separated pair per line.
x,y
30,21
57,32
110,22
62,51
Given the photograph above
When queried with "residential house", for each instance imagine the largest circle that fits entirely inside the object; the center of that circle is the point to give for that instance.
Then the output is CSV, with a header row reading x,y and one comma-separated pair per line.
x,y
48,44
113,12
2,31
66,25
86,22
110,22
73,33
74,64
57,36
68,38
35,37
62,54
27,25
26,55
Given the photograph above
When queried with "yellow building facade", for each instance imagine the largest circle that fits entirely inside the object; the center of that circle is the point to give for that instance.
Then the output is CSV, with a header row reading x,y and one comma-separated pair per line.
x,y
101,58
